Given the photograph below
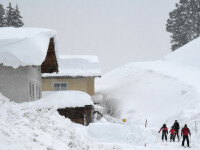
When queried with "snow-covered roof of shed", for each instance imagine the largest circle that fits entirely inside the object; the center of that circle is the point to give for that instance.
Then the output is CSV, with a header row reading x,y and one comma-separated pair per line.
x,y
61,99
77,66
24,46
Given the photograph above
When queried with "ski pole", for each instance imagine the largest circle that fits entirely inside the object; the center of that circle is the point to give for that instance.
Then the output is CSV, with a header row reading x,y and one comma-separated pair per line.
x,y
190,139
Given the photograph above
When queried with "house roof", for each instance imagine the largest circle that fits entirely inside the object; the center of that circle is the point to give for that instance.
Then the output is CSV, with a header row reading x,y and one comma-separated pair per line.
x,y
61,99
76,66
28,46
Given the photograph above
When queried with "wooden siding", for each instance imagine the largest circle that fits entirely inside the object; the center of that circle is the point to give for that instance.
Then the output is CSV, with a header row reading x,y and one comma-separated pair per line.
x,y
50,64
81,115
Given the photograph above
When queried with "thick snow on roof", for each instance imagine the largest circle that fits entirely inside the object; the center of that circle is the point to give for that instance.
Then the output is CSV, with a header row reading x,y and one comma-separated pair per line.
x,y
62,99
24,46
77,65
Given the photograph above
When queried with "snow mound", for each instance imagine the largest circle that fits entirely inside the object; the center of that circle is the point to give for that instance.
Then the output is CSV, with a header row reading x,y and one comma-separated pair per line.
x,y
118,133
161,91
77,65
188,54
42,129
61,99
108,132
24,46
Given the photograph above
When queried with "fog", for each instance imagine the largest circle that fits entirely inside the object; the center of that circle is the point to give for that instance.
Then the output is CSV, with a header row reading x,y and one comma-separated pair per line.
x,y
117,31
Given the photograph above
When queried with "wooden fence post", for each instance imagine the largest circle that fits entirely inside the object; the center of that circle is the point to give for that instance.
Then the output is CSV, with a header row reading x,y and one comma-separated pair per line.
x,y
195,127
146,123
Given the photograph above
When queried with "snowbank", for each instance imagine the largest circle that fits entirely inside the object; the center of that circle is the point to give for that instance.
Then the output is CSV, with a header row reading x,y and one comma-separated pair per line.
x,y
188,54
24,46
108,132
61,99
118,133
77,65
42,129
157,90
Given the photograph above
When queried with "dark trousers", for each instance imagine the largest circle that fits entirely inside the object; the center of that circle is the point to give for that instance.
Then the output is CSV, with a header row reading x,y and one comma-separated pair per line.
x,y
185,137
176,134
164,135
172,137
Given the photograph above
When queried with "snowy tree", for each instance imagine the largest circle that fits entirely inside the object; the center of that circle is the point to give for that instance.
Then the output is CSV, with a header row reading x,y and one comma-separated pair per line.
x,y
9,16
16,19
2,16
184,23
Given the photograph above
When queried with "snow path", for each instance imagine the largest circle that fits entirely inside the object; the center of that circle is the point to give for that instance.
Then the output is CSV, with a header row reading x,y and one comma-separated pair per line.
x,y
126,142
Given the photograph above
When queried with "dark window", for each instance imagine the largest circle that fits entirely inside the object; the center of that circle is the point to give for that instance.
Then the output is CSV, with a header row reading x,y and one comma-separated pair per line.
x,y
33,91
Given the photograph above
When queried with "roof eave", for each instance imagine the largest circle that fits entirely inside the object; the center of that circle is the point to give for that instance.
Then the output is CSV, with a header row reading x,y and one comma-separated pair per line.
x,y
50,64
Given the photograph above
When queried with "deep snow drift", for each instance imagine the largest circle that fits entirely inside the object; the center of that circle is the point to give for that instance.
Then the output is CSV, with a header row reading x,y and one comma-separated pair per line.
x,y
159,91
25,128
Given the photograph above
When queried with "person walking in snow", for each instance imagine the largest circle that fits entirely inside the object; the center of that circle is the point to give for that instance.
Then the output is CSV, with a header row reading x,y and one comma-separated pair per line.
x,y
164,130
176,127
172,136
184,132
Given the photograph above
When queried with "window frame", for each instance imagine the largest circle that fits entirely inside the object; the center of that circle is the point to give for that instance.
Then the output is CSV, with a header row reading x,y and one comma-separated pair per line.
x,y
60,87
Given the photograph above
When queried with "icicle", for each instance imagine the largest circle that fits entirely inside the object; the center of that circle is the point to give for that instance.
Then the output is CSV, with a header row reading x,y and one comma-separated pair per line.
x,y
85,121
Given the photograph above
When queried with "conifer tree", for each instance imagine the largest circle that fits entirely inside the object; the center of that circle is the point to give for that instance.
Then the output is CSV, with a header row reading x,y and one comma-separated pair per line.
x,y
9,16
16,20
184,23
2,16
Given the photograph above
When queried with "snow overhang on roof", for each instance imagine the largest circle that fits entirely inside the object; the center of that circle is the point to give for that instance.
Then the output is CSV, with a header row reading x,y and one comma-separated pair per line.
x,y
28,46
76,66
61,99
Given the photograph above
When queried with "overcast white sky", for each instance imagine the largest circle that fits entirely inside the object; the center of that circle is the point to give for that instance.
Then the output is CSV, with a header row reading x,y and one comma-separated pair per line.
x,y
117,31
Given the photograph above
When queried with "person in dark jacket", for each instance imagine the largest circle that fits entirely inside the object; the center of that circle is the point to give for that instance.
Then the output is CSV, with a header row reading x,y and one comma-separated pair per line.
x,y
184,132
164,130
176,127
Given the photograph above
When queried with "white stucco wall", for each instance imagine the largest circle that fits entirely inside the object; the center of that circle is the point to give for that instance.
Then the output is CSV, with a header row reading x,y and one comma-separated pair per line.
x,y
14,83
34,77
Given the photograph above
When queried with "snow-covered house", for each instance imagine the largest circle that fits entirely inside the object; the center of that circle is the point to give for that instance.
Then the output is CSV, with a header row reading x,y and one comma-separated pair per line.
x,y
76,72
24,54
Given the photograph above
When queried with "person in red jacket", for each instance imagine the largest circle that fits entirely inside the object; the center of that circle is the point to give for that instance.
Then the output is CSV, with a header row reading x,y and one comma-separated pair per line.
x,y
173,132
184,132
164,130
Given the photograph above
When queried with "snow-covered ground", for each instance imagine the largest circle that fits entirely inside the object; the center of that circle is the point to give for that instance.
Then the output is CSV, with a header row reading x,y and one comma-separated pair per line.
x,y
160,91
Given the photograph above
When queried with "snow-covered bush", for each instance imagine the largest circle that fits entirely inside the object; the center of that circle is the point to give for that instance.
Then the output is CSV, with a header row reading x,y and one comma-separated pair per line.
x,y
111,107
97,98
